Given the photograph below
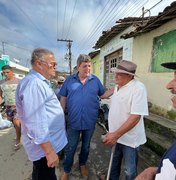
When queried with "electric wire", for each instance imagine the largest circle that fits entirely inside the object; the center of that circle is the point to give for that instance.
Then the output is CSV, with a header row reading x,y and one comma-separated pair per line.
x,y
26,15
63,25
95,23
91,39
71,19
126,12
98,27
57,19
11,44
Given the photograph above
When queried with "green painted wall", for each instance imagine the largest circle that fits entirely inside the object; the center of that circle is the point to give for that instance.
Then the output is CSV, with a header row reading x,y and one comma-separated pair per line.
x,y
4,60
164,50
96,66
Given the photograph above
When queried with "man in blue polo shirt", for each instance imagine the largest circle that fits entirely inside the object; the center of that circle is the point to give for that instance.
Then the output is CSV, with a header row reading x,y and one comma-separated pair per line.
x,y
80,94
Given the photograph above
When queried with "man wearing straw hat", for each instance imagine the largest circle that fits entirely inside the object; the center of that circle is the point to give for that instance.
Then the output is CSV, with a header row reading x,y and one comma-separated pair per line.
x,y
126,126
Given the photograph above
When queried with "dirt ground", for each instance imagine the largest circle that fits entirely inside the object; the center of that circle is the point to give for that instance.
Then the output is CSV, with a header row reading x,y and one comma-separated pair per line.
x,y
14,164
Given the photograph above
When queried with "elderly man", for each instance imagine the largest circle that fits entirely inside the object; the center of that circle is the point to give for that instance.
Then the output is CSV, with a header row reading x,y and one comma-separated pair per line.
x,y
42,117
80,93
126,126
167,166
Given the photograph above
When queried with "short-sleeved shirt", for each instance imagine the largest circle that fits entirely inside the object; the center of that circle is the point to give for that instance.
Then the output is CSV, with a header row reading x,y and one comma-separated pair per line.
x,y
82,101
129,99
167,167
8,90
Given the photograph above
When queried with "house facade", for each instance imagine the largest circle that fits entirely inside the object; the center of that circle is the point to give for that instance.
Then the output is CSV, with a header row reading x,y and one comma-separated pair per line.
x,y
19,70
154,44
111,54
95,56
113,49
147,43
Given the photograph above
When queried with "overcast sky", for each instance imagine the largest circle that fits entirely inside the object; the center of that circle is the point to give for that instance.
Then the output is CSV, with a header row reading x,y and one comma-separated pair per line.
x,y
28,24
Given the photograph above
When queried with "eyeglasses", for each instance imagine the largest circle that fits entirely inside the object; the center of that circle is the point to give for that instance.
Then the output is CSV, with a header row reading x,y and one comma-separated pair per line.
x,y
51,64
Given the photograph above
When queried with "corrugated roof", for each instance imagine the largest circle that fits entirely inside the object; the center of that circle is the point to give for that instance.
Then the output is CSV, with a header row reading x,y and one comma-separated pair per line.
x,y
121,25
168,14
94,53
142,25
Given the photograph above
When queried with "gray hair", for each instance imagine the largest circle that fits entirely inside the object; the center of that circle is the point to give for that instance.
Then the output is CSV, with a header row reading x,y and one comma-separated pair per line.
x,y
39,54
83,58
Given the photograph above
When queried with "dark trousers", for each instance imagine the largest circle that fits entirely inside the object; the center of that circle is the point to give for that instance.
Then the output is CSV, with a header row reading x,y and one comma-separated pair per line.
x,y
42,172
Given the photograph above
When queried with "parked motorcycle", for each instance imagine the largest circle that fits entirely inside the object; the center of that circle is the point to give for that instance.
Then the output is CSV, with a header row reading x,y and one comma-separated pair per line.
x,y
103,115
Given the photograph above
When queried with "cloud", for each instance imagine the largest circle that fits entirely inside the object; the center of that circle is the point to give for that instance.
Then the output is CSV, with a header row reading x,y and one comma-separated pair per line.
x,y
26,25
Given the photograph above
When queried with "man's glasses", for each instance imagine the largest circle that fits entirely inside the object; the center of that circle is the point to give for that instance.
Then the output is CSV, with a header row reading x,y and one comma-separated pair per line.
x,y
51,64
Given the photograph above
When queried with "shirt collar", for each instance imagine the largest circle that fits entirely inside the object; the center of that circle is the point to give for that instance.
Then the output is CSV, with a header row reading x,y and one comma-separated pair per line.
x,y
40,76
128,84
77,77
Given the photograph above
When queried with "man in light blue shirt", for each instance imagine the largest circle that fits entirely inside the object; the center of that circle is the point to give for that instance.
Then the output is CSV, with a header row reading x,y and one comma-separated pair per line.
x,y
42,117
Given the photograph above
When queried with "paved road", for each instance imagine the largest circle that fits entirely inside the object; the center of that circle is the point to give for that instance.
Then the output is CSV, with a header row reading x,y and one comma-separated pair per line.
x,y
14,165
100,155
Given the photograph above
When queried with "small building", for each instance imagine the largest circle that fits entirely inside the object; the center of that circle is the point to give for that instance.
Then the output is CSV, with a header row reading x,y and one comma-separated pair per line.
x,y
148,42
95,60
154,43
19,70
113,49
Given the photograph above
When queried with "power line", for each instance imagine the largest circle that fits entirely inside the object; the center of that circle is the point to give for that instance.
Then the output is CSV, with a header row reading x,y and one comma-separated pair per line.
x,y
64,19
109,10
44,35
10,44
100,25
94,23
71,19
130,9
106,21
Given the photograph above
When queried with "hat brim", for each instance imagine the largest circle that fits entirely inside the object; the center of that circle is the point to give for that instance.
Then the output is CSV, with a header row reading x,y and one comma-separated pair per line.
x,y
169,65
116,70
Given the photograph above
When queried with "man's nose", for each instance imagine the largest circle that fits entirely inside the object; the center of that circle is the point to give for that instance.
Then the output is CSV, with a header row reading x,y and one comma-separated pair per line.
x,y
169,85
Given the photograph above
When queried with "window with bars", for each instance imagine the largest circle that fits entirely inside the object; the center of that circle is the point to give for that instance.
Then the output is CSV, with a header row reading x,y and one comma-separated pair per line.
x,y
111,61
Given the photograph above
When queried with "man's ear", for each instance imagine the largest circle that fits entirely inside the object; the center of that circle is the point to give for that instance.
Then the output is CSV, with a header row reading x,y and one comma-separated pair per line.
x,y
77,67
38,64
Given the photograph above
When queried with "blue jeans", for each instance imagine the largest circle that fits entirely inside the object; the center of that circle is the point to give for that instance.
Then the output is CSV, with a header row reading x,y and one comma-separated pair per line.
x,y
130,156
73,140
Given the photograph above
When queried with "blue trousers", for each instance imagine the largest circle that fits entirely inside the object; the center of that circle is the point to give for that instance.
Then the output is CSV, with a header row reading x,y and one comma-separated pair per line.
x,y
70,149
130,157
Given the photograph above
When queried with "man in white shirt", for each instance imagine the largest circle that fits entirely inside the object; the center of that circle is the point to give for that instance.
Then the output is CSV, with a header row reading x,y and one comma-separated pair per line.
x,y
126,126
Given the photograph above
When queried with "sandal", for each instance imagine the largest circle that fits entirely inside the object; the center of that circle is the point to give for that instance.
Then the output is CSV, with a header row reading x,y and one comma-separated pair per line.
x,y
17,146
102,177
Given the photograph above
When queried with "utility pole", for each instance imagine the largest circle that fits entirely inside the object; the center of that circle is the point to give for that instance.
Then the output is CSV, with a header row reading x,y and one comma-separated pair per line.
x,y
69,51
3,49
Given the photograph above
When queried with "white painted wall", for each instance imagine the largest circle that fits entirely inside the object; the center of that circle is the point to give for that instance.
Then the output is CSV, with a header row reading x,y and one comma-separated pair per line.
x,y
19,70
115,44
